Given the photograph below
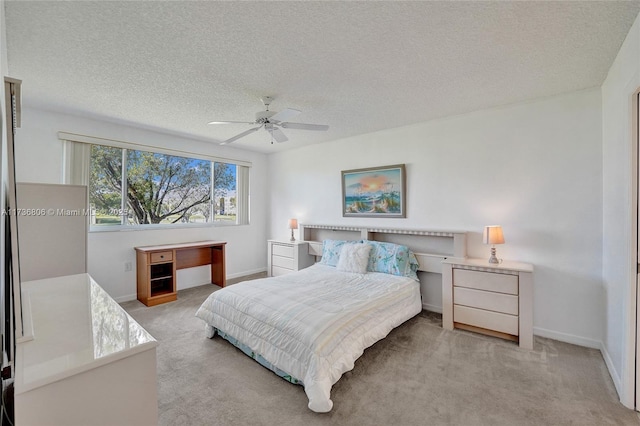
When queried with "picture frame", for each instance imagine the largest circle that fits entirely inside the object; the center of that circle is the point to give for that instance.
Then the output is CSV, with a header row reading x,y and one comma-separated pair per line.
x,y
374,192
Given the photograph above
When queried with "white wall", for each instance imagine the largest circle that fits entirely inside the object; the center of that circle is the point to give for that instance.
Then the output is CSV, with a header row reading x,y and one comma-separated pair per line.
x,y
39,159
4,70
619,257
534,168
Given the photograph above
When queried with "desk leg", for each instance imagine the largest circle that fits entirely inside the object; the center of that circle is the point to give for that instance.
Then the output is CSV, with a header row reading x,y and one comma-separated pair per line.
x,y
218,272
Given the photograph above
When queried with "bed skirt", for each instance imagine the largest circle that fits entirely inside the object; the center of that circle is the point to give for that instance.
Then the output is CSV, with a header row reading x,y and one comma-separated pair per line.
x,y
212,331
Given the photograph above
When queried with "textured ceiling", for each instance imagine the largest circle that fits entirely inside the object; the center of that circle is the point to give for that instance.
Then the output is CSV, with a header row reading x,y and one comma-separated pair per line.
x,y
356,66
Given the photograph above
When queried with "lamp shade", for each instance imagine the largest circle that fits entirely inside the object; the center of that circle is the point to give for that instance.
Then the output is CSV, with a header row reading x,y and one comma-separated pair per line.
x,y
493,235
293,223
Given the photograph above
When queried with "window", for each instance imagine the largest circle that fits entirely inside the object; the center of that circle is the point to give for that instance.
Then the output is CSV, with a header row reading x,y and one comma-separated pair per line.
x,y
129,187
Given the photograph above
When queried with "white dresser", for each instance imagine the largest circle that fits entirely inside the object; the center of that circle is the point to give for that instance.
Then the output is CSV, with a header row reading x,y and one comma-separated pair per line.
x,y
487,298
83,360
288,256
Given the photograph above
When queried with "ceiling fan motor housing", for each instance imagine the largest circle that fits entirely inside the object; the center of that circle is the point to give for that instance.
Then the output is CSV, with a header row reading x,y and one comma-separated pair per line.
x,y
263,116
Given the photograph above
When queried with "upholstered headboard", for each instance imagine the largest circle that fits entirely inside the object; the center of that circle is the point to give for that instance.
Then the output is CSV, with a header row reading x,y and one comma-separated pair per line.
x,y
431,247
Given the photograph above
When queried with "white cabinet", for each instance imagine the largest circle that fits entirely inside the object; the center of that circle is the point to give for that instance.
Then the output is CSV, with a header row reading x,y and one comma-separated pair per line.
x,y
491,299
82,360
85,360
288,256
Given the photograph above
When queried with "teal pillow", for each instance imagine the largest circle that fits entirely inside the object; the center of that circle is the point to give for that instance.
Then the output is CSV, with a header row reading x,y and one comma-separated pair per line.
x,y
394,259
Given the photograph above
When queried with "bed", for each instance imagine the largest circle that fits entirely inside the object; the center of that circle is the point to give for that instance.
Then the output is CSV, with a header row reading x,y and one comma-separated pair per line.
x,y
310,326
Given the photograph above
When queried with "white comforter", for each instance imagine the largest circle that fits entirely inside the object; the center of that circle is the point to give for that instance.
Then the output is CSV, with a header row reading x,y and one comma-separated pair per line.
x,y
313,324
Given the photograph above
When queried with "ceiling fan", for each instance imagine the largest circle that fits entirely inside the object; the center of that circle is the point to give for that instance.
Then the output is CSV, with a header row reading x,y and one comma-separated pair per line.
x,y
272,122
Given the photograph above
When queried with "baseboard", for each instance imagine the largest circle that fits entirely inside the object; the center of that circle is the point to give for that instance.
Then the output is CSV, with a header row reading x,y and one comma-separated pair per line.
x,y
432,308
191,285
617,380
134,296
127,298
567,338
245,273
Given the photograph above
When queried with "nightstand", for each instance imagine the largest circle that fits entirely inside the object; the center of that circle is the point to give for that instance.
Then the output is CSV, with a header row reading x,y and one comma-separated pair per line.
x,y
288,256
491,299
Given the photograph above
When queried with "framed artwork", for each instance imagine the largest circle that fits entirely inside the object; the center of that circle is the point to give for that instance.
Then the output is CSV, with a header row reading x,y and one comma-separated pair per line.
x,y
374,192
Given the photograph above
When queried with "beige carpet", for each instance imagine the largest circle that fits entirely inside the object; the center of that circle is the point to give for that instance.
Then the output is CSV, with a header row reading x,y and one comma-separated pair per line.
x,y
419,375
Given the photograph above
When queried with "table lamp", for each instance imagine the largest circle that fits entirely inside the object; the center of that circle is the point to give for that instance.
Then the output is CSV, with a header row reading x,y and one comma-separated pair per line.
x,y
493,235
293,224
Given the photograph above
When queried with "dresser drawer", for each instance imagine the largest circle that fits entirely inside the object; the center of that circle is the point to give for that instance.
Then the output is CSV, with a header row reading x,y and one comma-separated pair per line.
x,y
283,262
162,256
501,283
498,302
486,319
281,250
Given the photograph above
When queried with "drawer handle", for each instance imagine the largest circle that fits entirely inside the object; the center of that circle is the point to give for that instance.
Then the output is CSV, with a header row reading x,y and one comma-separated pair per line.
x,y
162,257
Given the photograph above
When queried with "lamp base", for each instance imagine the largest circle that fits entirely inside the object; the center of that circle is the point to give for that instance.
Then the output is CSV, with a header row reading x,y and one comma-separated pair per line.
x,y
292,237
493,258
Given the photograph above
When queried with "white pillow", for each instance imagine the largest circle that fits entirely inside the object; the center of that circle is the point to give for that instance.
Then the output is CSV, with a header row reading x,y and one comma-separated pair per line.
x,y
354,258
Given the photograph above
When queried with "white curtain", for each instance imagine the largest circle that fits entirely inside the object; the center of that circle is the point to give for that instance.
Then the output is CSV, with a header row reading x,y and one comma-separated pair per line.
x,y
242,195
77,157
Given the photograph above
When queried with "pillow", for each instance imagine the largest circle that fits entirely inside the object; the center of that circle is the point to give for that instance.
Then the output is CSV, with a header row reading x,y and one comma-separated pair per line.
x,y
331,251
394,259
354,258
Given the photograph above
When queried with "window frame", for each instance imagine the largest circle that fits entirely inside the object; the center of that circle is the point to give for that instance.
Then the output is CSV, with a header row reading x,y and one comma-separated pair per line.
x,y
84,163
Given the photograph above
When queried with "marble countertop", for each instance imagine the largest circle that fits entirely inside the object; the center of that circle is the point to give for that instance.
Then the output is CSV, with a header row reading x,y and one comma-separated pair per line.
x,y
72,325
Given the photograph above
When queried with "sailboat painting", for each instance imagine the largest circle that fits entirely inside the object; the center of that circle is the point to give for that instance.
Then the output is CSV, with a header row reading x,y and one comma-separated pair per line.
x,y
374,192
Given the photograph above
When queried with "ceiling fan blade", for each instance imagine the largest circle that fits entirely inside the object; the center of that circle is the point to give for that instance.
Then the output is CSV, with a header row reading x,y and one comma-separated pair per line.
x,y
278,135
304,126
231,122
285,114
240,135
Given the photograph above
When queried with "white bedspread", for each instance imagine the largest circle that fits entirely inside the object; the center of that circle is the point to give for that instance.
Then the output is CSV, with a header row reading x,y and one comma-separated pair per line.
x,y
313,324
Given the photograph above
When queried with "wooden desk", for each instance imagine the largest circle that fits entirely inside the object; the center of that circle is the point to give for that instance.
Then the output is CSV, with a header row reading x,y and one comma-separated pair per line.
x,y
157,266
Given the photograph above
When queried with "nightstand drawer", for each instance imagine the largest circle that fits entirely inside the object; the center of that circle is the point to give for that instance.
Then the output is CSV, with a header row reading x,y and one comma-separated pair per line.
x,y
281,250
162,256
283,262
486,319
501,283
498,302
287,256
276,271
